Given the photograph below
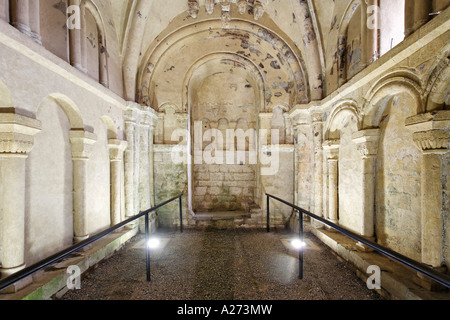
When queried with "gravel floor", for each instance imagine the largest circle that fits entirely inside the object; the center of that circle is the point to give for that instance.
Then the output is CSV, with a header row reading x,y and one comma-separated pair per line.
x,y
234,264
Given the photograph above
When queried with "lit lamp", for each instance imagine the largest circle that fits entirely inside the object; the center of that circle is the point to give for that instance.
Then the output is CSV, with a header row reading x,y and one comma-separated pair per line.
x,y
298,244
153,243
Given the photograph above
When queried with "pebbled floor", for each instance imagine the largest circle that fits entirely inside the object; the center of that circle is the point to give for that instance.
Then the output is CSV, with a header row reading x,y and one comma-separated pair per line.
x,y
233,264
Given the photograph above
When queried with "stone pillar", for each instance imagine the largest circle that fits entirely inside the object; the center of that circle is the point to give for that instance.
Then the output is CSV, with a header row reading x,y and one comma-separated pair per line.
x,y
431,133
151,152
416,15
303,158
367,144
131,130
75,43
116,149
317,127
103,61
332,151
144,161
20,16
16,142
371,39
35,23
81,142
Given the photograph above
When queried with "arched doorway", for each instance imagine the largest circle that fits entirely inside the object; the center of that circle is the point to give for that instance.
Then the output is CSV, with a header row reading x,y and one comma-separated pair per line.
x,y
225,94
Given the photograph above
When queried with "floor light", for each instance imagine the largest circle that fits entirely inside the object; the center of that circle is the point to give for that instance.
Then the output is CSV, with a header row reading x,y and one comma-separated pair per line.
x,y
298,244
153,243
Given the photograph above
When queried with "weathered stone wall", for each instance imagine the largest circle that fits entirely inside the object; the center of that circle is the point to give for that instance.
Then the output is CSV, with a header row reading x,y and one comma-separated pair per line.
x,y
280,183
170,179
67,191
350,182
390,184
398,181
224,187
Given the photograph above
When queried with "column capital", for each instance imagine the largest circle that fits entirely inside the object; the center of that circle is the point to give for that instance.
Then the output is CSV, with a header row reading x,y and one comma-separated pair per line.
x,y
331,148
432,141
300,117
317,117
138,113
367,142
82,142
116,149
431,131
17,133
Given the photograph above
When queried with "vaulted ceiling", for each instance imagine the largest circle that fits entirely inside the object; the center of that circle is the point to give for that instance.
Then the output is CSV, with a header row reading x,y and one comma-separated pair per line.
x,y
163,42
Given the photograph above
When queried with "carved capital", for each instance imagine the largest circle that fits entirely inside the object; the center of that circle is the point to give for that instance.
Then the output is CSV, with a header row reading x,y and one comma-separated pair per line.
x,y
331,148
431,131
367,142
433,141
17,133
116,149
82,143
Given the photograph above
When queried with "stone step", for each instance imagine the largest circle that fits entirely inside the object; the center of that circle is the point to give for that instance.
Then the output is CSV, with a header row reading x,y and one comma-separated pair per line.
x,y
222,215
229,219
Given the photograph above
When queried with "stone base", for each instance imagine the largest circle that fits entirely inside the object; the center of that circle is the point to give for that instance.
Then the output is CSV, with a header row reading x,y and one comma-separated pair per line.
x,y
429,284
363,248
5,273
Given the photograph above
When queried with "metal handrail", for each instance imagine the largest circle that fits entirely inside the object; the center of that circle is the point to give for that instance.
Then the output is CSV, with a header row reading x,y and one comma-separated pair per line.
x,y
26,272
410,263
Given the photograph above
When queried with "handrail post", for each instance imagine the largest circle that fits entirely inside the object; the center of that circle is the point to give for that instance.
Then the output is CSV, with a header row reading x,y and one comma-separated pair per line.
x,y
181,215
147,249
268,214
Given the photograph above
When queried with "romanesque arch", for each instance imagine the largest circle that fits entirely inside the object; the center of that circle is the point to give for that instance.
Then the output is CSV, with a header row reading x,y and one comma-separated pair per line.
x,y
392,100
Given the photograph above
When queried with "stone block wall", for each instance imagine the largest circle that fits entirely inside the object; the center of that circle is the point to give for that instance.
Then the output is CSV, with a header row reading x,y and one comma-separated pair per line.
x,y
224,187
170,180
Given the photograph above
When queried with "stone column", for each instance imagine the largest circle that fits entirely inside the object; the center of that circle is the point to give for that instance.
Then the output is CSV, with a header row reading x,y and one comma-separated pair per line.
x,y
130,132
20,18
35,23
370,45
431,133
416,15
332,151
75,42
133,118
81,142
317,127
151,152
144,161
116,149
16,142
367,144
303,158
103,61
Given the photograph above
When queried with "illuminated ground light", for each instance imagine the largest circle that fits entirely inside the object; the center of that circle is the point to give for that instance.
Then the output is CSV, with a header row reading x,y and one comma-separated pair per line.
x,y
298,244
153,243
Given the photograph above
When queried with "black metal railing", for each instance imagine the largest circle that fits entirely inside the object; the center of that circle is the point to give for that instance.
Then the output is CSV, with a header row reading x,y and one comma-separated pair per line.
x,y
439,277
29,271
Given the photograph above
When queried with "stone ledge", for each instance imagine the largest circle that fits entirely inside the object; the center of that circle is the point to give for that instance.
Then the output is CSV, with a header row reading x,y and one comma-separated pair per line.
x,y
397,281
52,281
